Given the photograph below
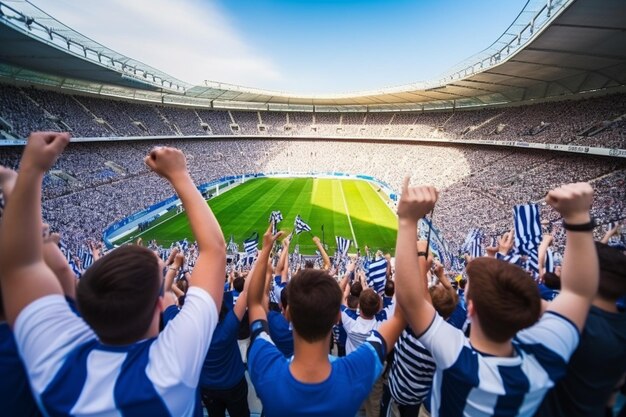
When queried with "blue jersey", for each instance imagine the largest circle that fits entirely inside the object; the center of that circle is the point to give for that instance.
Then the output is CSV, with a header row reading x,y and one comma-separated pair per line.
x,y
72,373
469,383
341,394
280,333
223,367
15,394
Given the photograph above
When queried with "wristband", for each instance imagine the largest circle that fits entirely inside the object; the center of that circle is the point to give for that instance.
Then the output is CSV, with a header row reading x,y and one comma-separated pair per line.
x,y
171,268
424,254
585,227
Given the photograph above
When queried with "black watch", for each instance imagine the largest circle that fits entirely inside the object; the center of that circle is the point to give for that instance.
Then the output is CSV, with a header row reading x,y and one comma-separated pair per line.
x,y
585,227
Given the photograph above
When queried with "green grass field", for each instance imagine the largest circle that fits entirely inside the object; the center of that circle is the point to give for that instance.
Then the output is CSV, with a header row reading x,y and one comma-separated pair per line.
x,y
342,206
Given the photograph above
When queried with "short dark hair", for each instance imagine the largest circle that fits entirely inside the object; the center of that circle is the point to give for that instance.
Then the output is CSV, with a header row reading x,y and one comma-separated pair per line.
x,y
353,301
284,298
444,300
117,295
506,299
369,302
309,265
390,288
612,272
314,301
356,288
238,284
552,280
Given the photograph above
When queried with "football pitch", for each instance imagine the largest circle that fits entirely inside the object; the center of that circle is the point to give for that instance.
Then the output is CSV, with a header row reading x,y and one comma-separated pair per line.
x,y
353,209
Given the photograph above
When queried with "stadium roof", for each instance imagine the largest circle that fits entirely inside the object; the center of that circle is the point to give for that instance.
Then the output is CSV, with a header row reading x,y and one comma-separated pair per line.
x,y
554,48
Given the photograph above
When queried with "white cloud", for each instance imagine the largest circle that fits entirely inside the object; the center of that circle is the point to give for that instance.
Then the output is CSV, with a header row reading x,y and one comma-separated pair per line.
x,y
192,40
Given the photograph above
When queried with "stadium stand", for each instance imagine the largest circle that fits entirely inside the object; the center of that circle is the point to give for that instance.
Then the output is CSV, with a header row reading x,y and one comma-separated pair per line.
x,y
597,121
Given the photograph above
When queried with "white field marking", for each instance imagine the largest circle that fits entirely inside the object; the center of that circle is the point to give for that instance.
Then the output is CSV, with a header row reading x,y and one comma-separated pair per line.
x,y
381,197
345,204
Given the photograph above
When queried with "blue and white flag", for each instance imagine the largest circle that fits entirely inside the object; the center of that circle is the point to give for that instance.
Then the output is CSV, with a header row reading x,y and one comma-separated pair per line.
x,y
86,257
232,247
276,217
473,243
184,245
527,225
300,226
549,264
528,233
376,274
251,244
343,245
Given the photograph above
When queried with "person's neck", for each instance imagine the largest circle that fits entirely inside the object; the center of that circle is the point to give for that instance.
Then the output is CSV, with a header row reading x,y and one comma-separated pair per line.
x,y
310,364
483,344
366,317
605,305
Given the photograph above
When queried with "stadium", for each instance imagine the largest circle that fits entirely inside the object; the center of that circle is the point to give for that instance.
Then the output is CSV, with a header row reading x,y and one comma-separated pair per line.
x,y
542,106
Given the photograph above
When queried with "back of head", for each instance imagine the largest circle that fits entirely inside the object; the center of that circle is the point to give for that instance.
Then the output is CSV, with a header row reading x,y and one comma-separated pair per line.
x,y
612,272
238,284
356,288
353,302
309,265
284,299
505,299
552,280
117,295
314,300
444,300
390,288
369,302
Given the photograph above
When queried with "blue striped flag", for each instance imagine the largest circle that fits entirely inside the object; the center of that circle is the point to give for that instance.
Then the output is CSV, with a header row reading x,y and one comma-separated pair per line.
x,y
549,264
473,243
528,233
86,257
343,245
275,217
251,244
232,247
300,226
376,275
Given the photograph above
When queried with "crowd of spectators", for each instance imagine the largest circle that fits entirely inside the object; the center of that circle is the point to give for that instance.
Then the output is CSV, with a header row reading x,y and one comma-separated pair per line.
x,y
103,182
451,344
590,122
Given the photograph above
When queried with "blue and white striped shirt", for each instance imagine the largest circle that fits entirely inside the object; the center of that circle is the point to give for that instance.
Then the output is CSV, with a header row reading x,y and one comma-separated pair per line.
x,y
72,373
469,383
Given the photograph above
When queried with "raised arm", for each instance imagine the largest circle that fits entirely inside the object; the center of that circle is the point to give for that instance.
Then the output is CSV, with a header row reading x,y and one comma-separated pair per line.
x,y
414,204
346,278
325,257
425,261
170,297
607,236
284,261
580,273
242,302
57,262
25,276
546,241
256,311
208,272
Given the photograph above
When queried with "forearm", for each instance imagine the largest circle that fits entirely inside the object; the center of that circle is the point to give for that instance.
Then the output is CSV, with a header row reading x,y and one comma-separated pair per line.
x,y
580,265
325,258
409,291
21,240
257,279
203,223
543,249
58,264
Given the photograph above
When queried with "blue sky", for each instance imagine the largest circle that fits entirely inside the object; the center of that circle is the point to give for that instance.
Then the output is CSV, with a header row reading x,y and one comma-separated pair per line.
x,y
295,46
